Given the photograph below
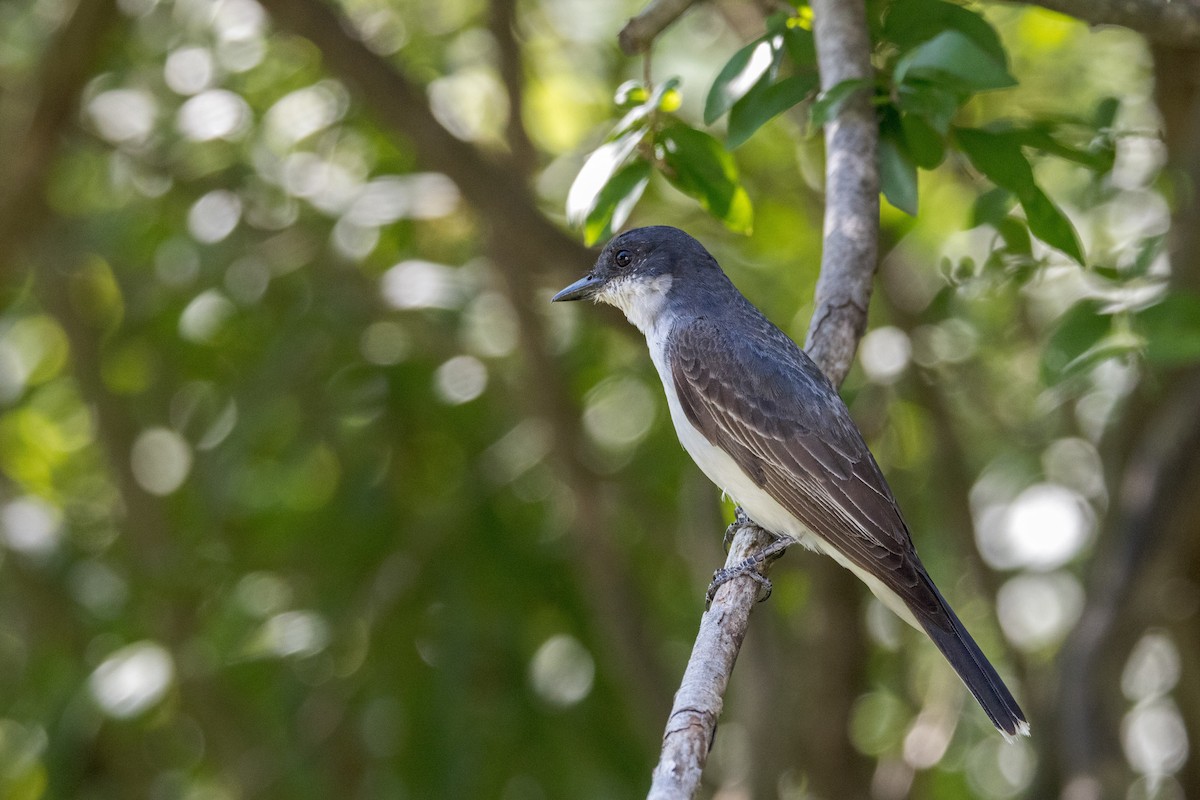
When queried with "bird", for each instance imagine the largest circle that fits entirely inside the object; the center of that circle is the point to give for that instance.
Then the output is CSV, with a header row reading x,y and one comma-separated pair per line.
x,y
764,423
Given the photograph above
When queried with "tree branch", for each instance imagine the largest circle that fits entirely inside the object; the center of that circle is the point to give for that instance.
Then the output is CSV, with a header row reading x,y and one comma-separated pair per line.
x,y
502,21
843,291
494,186
638,34
851,190
33,141
1171,22
519,239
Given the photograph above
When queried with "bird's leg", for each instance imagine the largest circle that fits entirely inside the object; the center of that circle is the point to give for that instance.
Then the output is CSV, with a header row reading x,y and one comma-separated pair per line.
x,y
749,566
740,520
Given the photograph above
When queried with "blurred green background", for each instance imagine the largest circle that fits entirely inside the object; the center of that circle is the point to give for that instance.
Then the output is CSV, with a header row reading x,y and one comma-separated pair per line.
x,y
307,492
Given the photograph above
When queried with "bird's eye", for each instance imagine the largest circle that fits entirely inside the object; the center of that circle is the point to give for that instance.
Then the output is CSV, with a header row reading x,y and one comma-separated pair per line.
x,y
623,258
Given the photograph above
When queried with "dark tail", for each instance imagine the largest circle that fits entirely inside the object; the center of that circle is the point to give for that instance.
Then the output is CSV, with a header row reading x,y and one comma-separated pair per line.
x,y
972,666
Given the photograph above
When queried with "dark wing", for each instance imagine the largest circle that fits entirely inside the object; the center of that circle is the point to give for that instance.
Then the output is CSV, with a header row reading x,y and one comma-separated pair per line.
x,y
763,401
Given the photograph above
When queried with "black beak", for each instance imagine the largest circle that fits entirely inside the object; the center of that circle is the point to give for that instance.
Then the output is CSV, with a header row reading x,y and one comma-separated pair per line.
x,y
581,289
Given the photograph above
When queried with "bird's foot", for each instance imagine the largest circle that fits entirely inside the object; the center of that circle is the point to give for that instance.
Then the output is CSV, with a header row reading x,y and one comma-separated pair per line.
x,y
749,567
740,520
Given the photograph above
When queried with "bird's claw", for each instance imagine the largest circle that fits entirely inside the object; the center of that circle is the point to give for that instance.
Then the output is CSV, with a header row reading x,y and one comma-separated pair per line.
x,y
748,567
740,520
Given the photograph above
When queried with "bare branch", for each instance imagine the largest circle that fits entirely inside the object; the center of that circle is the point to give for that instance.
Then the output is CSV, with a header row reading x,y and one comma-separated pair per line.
x,y
640,31
693,721
843,291
1170,22
851,190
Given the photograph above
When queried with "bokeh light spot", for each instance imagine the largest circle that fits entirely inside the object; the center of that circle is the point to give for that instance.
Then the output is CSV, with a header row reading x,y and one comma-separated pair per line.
x,y
884,353
1153,668
202,319
1154,738
189,70
124,115
213,114
1044,527
618,413
1037,610
385,343
421,284
132,679
31,526
161,460
460,380
562,671
214,216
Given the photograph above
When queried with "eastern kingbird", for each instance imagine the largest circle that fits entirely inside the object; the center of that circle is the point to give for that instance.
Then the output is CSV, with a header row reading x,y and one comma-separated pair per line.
x,y
765,425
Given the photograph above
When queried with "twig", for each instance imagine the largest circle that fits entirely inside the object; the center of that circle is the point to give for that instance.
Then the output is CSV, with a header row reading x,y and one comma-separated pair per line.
x,y
1168,22
640,31
843,291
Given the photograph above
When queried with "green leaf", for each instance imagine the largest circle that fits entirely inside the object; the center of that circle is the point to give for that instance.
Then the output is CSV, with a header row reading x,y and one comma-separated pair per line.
x,y
1080,331
1048,223
763,103
740,74
954,59
992,206
615,202
828,103
1172,329
910,22
1015,234
934,102
1106,113
999,157
800,45
925,144
596,172
1098,158
897,172
699,166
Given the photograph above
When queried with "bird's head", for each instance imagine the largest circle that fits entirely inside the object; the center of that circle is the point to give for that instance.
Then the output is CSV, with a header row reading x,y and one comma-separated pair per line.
x,y
637,270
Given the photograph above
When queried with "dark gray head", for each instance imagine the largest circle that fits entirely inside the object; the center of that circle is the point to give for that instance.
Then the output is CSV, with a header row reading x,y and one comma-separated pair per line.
x,y
640,269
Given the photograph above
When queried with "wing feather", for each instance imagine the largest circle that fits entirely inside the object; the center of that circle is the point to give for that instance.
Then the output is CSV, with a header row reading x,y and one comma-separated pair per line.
x,y
771,409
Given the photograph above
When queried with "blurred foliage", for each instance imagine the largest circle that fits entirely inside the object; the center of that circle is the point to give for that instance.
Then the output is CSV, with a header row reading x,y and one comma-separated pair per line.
x,y
291,510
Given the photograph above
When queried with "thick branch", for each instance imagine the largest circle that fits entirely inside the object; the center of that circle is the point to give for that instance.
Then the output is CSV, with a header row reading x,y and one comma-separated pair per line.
x,y
640,32
843,291
851,190
520,239
68,64
1169,22
502,22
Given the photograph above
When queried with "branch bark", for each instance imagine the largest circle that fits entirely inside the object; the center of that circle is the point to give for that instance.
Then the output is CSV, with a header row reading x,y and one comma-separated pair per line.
x,y
851,190
1169,22
843,292
641,31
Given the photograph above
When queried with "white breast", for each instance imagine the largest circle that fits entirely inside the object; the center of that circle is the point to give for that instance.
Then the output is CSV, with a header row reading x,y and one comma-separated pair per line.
x,y
721,469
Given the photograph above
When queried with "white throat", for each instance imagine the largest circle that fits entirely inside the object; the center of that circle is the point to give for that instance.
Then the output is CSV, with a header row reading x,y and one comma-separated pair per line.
x,y
641,300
